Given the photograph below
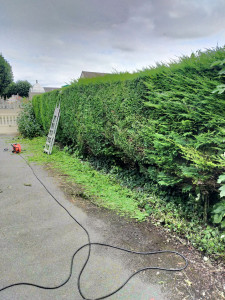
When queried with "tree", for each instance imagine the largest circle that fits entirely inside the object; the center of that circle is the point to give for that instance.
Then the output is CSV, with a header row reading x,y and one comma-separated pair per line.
x,y
22,87
6,76
11,90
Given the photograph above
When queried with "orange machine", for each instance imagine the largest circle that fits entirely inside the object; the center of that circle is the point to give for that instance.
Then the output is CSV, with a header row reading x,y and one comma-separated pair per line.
x,y
16,148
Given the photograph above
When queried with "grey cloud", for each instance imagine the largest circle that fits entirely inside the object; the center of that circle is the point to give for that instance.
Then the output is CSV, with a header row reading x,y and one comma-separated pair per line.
x,y
168,19
127,19
65,15
57,39
123,47
188,19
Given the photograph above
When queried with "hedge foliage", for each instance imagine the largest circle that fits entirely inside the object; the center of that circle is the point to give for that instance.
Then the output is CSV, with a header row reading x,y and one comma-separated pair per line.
x,y
164,121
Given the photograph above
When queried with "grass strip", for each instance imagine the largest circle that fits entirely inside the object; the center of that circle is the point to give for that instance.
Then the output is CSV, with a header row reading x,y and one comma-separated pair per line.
x,y
98,187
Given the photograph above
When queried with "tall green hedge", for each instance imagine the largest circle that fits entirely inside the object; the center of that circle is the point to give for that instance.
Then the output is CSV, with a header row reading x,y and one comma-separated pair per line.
x,y
164,121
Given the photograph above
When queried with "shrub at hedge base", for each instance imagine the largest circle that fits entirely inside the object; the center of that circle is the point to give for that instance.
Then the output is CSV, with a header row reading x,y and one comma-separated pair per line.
x,y
165,121
27,124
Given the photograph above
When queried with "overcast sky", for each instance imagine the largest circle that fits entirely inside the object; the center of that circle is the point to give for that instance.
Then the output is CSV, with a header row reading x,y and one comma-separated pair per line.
x,y
54,40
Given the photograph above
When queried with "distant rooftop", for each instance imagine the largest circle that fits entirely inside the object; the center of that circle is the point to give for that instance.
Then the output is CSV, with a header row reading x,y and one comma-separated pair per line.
x,y
37,89
49,89
85,74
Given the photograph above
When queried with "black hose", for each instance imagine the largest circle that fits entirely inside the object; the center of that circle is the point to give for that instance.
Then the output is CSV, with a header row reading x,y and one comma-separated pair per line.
x,y
89,244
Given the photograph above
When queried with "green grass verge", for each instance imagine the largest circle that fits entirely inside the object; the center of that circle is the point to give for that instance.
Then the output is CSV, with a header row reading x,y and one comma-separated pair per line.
x,y
107,191
98,187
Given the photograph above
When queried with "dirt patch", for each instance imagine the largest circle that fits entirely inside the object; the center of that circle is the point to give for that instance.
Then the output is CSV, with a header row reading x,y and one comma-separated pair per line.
x,y
203,279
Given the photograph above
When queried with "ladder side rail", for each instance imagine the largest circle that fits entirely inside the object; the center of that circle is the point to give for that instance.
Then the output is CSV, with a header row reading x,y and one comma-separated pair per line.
x,y
56,125
52,131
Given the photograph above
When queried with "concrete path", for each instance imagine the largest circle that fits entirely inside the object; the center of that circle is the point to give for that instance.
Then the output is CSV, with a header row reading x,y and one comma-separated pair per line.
x,y
37,240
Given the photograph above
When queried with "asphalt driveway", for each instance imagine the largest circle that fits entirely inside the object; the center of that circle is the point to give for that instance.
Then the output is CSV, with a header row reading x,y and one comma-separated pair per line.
x,y
37,240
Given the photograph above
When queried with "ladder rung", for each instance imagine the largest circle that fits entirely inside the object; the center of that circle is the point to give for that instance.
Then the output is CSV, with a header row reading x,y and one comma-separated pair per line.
x,y
52,131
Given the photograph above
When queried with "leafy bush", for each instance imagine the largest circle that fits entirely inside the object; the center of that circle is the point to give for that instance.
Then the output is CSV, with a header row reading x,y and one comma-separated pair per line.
x,y
27,123
164,122
218,214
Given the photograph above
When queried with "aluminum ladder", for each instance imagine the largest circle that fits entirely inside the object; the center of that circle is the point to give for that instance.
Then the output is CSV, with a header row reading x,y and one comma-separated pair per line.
x,y
52,131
